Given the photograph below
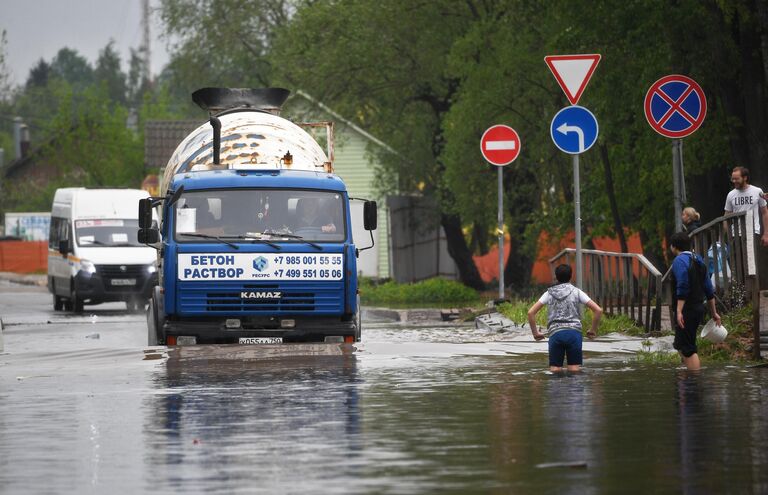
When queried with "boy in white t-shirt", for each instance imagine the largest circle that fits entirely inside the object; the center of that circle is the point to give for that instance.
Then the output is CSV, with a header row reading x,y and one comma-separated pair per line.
x,y
563,303
745,197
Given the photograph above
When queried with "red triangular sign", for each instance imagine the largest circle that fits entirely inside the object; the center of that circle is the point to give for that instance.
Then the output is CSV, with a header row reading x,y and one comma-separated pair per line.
x,y
572,72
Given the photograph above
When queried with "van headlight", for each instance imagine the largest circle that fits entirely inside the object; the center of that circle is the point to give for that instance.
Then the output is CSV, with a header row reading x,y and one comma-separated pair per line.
x,y
87,266
151,268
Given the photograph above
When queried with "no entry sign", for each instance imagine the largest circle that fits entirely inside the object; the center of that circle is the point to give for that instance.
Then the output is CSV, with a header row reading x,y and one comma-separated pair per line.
x,y
500,145
675,106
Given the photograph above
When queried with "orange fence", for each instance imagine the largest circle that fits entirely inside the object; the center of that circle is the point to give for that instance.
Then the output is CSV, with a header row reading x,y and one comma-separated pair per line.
x,y
24,256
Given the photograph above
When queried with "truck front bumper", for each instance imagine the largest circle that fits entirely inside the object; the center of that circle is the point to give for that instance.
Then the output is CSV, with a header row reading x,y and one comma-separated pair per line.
x,y
218,330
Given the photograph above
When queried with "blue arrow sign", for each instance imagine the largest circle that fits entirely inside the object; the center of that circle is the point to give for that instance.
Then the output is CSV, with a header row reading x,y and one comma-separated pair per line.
x,y
574,130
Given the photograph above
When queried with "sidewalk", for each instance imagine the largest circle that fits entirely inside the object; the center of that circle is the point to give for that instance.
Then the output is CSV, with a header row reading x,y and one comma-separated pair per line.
x,y
24,278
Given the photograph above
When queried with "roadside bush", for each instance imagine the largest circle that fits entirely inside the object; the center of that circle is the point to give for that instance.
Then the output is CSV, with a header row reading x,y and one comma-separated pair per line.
x,y
432,291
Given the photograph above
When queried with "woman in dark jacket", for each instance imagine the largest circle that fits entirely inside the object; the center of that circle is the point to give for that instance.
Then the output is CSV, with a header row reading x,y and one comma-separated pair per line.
x,y
691,219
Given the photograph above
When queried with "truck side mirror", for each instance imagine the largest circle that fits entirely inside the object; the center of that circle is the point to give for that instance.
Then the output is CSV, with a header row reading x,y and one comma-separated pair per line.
x,y
370,215
145,213
148,236
64,246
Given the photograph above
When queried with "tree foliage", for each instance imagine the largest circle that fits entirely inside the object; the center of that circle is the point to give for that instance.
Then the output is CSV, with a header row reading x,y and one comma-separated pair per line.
x,y
429,77
78,115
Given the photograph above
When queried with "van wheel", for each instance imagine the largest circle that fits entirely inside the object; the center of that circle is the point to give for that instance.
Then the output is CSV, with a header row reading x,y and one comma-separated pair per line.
x,y
58,303
134,305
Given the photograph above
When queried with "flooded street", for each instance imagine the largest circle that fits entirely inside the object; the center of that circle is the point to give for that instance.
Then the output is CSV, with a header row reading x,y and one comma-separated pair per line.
x,y
85,406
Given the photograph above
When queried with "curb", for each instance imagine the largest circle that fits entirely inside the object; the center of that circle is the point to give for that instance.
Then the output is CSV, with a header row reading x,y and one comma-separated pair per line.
x,y
24,279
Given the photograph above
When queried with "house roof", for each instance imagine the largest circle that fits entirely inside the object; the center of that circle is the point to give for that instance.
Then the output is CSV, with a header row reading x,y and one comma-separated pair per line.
x,y
347,122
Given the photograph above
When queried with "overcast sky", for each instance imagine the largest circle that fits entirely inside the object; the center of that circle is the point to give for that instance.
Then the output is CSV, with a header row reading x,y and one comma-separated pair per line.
x,y
38,29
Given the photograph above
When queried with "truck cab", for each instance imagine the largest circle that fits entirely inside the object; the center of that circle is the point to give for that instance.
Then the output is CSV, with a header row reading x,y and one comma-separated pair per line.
x,y
254,246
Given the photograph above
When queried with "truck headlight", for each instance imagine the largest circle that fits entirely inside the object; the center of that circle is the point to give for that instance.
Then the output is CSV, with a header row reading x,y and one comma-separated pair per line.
x,y
87,266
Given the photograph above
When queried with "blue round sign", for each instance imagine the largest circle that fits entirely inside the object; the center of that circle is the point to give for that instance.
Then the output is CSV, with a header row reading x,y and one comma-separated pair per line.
x,y
574,129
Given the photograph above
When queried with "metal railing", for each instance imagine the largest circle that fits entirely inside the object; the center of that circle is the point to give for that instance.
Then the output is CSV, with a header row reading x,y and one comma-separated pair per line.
x,y
729,255
621,283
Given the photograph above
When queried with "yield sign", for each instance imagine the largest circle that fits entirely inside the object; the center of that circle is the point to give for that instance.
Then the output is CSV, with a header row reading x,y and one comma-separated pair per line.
x,y
572,72
500,145
675,106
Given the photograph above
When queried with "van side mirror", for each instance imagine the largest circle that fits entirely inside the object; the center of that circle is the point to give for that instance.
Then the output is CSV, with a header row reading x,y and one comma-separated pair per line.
x,y
145,213
64,247
370,215
148,236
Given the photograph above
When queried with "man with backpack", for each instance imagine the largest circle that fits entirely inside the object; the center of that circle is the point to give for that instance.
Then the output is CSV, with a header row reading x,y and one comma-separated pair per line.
x,y
690,286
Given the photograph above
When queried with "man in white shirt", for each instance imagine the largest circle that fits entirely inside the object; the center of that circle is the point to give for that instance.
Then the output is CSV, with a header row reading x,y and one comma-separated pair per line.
x,y
745,197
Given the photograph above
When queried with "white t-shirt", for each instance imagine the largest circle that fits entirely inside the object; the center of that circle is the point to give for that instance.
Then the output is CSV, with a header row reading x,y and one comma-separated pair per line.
x,y
749,198
546,298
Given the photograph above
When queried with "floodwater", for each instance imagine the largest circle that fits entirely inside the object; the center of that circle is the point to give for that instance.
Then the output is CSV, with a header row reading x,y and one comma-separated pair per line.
x,y
392,416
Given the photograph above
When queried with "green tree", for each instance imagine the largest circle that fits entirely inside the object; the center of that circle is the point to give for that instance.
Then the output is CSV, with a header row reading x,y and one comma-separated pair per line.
x,y
429,77
72,67
109,73
220,43
39,75
385,63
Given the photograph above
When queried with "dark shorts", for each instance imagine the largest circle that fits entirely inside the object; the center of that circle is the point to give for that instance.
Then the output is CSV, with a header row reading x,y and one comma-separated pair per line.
x,y
685,338
565,343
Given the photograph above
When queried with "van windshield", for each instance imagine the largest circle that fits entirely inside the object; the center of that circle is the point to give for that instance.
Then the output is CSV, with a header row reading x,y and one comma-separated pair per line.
x,y
301,215
107,233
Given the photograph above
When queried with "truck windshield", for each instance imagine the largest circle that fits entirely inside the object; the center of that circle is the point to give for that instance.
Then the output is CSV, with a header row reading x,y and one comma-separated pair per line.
x,y
302,215
107,233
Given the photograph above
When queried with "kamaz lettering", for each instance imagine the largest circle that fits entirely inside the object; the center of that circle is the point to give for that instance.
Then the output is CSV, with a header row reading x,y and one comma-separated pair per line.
x,y
260,295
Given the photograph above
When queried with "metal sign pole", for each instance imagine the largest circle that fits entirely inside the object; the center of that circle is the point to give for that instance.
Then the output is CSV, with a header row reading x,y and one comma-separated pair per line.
x,y
501,233
683,196
577,218
676,185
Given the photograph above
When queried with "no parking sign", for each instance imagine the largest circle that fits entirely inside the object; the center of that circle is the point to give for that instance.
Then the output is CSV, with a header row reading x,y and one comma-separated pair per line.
x,y
675,106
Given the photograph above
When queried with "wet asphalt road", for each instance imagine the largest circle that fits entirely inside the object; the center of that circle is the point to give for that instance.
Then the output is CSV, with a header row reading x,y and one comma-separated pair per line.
x,y
87,407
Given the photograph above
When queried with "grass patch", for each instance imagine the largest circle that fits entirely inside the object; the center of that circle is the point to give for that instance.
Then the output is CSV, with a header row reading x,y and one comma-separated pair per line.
x,y
517,311
434,291
737,345
658,357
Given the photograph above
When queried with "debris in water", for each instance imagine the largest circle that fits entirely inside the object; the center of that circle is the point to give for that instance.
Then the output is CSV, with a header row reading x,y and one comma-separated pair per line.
x,y
92,336
571,464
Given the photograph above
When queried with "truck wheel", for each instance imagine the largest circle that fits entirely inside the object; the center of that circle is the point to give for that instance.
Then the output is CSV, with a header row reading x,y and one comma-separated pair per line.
x,y
358,321
58,303
151,325
77,303
156,319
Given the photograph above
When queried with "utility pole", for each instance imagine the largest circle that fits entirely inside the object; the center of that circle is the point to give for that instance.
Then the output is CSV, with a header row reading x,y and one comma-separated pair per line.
x,y
145,42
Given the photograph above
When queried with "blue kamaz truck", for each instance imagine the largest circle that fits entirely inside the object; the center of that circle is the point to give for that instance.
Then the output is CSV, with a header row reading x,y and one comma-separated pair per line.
x,y
255,240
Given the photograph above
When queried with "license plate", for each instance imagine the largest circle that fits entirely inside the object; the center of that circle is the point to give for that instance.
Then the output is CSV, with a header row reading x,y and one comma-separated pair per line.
x,y
261,340
123,281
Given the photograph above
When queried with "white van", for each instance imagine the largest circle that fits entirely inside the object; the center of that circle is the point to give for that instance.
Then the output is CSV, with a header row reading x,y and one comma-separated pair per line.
x,y
93,252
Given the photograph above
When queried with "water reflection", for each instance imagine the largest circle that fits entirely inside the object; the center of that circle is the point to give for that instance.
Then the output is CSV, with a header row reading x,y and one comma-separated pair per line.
x,y
234,419
721,428
228,423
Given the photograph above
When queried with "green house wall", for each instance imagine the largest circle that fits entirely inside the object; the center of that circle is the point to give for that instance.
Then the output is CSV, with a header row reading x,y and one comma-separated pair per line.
x,y
352,164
